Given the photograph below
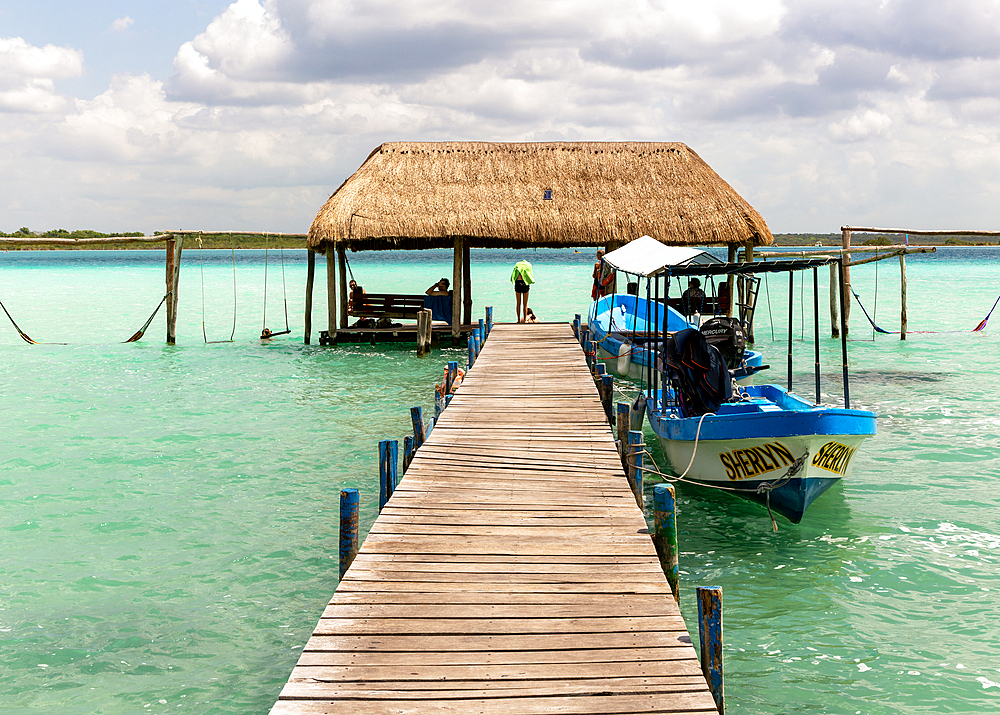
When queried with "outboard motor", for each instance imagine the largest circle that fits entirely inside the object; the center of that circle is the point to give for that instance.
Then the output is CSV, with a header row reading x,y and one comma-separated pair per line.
x,y
727,336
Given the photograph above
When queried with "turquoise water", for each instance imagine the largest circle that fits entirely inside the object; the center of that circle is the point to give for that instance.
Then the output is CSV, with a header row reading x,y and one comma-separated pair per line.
x,y
170,513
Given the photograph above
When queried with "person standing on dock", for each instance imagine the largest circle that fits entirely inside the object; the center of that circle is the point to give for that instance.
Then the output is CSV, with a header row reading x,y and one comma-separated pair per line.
x,y
522,278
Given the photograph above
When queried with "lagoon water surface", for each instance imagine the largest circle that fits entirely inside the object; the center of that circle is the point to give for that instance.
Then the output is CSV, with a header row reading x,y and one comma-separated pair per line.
x,y
170,514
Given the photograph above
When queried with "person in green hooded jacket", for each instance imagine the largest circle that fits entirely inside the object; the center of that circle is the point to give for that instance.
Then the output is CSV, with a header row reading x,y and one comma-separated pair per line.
x,y
522,279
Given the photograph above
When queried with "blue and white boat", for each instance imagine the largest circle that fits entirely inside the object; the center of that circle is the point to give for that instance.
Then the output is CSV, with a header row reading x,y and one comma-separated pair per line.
x,y
758,441
623,325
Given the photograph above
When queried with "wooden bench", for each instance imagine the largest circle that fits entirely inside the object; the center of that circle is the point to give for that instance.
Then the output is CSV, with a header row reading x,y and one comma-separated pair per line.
x,y
388,305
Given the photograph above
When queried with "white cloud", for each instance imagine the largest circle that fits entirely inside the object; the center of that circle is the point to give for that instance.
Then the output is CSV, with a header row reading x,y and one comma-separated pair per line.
x,y
282,99
122,24
28,74
862,125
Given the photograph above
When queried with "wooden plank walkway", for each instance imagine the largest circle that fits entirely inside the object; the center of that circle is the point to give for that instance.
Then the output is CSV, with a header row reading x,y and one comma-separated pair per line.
x,y
511,572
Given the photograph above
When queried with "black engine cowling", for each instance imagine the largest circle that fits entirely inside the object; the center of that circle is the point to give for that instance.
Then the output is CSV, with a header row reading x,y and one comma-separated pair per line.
x,y
727,336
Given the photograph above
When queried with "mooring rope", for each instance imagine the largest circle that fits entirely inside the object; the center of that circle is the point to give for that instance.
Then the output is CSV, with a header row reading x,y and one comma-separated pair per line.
x,y
137,336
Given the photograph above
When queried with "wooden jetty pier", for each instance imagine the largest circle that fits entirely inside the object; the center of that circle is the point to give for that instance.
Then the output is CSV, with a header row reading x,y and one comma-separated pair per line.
x,y
511,571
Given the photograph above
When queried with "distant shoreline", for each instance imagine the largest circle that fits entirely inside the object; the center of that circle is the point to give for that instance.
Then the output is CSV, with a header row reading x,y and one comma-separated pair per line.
x,y
237,241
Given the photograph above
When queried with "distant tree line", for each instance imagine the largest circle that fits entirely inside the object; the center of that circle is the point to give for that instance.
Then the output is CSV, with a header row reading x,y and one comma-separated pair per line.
x,y
236,240
865,239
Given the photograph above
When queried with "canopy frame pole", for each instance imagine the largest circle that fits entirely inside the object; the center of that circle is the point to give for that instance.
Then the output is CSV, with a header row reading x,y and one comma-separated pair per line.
x,y
845,277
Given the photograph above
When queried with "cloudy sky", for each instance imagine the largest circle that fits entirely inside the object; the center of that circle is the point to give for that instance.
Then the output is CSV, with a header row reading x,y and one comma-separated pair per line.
x,y
159,114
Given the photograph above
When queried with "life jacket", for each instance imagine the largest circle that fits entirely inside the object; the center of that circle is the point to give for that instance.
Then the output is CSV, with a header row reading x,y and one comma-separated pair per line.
x,y
697,372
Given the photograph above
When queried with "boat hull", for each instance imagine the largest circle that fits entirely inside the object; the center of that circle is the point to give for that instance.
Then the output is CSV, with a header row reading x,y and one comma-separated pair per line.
x,y
784,458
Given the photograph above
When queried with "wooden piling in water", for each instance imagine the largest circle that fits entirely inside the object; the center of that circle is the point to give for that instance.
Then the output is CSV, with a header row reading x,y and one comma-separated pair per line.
x,y
449,381
710,636
608,393
665,534
424,335
622,411
388,457
417,417
350,502
407,451
636,446
310,279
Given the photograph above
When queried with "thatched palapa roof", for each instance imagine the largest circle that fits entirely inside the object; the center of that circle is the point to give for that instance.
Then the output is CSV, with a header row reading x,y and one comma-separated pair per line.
x,y
414,195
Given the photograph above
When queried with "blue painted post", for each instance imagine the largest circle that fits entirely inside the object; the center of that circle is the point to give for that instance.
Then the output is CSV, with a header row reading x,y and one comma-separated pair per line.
x,y
483,333
584,337
710,634
450,380
635,449
350,501
489,320
407,451
388,457
665,534
417,417
576,326
430,428
447,400
608,383
438,404
623,410
477,340
472,358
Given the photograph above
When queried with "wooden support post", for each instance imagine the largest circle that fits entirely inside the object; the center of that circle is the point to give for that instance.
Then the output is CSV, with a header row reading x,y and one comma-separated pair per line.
x,y
665,534
477,343
489,320
450,380
483,332
407,451
331,295
171,319
388,458
623,411
342,264
710,634
466,283
174,280
430,428
417,418
608,382
576,326
731,280
424,324
438,404
310,278
350,501
834,313
584,337
846,277
456,289
636,446
472,356
902,296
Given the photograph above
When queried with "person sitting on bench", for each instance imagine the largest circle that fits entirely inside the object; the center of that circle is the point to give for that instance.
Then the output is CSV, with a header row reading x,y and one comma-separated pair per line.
x,y
439,288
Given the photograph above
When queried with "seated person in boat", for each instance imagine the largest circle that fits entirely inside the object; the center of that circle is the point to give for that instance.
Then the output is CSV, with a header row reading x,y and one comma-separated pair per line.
x,y
439,288
693,298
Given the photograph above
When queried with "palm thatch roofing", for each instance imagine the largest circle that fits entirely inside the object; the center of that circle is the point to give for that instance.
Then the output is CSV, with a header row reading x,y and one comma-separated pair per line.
x,y
416,195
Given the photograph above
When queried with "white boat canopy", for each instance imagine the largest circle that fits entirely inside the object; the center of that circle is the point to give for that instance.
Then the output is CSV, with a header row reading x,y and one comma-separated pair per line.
x,y
647,257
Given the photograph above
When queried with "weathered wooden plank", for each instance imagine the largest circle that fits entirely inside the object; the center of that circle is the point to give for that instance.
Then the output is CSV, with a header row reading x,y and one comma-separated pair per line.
x,y
397,659
679,704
